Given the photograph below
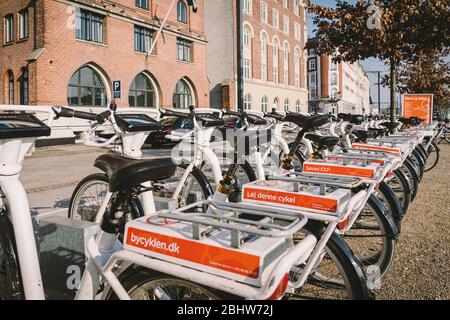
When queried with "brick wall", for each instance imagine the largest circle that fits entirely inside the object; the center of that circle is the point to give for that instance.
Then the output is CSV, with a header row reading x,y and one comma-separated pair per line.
x,y
115,58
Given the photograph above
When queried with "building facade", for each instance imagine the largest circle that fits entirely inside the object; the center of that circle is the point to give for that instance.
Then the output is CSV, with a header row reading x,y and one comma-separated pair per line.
x,y
70,52
336,87
274,58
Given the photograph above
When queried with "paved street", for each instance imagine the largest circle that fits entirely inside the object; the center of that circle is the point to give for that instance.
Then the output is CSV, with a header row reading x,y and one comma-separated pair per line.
x,y
51,174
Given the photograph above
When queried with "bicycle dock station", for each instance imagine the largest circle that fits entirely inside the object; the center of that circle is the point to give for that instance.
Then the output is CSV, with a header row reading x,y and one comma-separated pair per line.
x,y
256,236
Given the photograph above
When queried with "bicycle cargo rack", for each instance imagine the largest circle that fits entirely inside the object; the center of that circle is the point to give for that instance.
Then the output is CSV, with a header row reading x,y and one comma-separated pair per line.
x,y
244,221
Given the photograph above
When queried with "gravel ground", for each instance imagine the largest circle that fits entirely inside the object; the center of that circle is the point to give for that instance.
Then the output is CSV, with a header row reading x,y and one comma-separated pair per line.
x,y
421,268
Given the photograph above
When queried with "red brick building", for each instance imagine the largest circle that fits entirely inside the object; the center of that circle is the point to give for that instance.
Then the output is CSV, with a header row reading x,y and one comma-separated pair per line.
x,y
274,57
69,52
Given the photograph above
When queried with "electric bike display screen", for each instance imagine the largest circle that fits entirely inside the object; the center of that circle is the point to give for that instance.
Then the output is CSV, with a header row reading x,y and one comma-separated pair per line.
x,y
137,122
21,125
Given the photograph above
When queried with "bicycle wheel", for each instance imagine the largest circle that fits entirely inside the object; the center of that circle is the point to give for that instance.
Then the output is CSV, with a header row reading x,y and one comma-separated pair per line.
x,y
146,284
419,164
88,196
410,171
433,157
387,196
372,238
10,279
336,276
400,187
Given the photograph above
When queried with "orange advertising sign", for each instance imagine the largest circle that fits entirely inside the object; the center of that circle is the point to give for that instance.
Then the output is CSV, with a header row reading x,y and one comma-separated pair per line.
x,y
339,170
216,257
418,105
291,199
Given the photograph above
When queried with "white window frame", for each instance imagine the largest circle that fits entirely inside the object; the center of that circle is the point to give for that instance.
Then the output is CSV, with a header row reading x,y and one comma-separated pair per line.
x,y
248,7
297,31
264,12
275,19
286,24
24,24
312,64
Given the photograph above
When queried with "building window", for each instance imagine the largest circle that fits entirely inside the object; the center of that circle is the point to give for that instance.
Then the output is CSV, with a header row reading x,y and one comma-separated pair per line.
x,y
276,103
248,6
142,39
142,93
247,36
312,64
143,4
246,69
286,105
286,64
297,7
86,88
9,28
312,79
263,12
24,88
248,102
333,66
275,19
297,68
286,25
184,50
264,104
297,31
182,96
286,3
182,12
298,107
334,93
264,72
312,93
333,79
89,27
10,87
23,24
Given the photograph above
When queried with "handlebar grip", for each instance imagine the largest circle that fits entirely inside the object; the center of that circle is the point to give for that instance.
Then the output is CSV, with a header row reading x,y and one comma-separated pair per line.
x,y
168,112
85,115
71,113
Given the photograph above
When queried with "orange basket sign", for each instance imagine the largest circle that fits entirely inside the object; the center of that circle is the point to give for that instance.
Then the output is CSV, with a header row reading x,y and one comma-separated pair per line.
x,y
418,105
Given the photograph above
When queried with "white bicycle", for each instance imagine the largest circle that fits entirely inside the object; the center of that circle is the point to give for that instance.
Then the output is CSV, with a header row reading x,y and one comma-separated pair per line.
x,y
132,273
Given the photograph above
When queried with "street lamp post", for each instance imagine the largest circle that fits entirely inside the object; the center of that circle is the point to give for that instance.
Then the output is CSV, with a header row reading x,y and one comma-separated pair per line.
x,y
239,47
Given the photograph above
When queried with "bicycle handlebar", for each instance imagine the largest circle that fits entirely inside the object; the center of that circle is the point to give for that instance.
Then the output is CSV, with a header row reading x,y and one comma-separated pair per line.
x,y
62,112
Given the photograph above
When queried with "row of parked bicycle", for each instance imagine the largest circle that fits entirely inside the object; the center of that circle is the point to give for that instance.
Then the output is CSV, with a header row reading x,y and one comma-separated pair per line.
x,y
248,206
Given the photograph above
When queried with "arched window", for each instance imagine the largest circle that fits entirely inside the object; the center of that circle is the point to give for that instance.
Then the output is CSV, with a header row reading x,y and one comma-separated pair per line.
x,y
264,104
142,93
286,105
286,55
24,87
182,12
182,96
264,40
10,87
248,101
275,47
276,103
86,88
247,36
298,107
297,67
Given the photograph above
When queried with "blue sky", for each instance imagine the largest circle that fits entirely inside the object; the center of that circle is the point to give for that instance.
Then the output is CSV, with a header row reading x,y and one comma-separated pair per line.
x,y
369,64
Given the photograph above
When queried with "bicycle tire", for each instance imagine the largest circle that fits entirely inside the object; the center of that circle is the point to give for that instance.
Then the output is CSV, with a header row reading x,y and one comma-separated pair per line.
x,y
393,203
389,232
11,281
434,147
351,267
410,171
